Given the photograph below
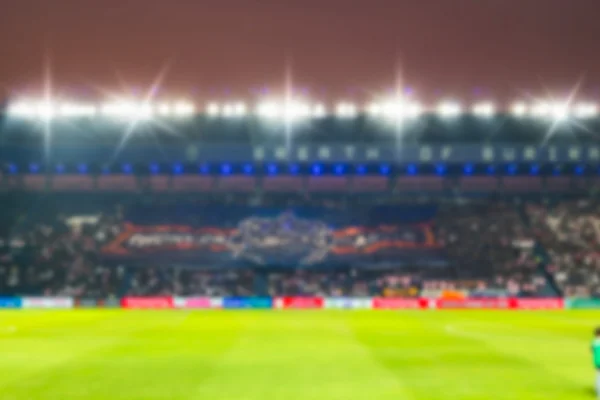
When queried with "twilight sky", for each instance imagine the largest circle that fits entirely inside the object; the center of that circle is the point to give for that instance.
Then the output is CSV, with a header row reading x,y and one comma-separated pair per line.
x,y
336,48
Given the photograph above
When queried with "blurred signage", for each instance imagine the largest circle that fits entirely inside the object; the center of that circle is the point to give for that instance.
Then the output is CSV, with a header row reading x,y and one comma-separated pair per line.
x,y
583,303
352,303
48,302
399,303
448,153
299,302
10,302
247,302
147,302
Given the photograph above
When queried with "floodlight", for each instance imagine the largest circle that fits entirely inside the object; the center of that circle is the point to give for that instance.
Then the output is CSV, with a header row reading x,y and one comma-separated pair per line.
x,y
345,110
269,110
585,110
449,109
22,110
374,109
296,110
413,110
164,109
228,111
319,111
485,110
519,109
541,109
183,109
394,110
76,110
239,109
46,110
213,109
559,111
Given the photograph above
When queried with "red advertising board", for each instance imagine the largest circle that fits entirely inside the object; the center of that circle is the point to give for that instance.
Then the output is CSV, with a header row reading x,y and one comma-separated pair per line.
x,y
299,302
399,303
147,302
474,303
539,304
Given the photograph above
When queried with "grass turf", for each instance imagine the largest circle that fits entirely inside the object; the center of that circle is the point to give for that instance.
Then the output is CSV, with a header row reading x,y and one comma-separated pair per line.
x,y
296,355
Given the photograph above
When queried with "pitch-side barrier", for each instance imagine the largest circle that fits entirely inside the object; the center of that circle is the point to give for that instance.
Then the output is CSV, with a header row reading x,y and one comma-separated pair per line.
x,y
289,303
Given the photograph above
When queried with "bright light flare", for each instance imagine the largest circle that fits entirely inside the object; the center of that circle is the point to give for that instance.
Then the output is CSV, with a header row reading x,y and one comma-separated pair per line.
x,y
22,110
319,111
484,110
269,110
413,110
346,110
541,110
290,111
560,111
127,110
374,109
183,109
213,109
519,109
70,110
585,110
449,109
295,110
164,110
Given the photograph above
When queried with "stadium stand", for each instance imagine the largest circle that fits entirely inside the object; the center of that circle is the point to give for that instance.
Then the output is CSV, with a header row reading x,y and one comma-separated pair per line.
x,y
338,205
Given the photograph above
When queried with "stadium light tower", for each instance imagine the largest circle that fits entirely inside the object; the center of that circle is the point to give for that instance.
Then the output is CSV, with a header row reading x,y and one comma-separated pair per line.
x,y
449,109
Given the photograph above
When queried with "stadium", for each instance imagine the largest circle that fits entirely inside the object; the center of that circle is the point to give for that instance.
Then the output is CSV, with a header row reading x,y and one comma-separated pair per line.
x,y
298,250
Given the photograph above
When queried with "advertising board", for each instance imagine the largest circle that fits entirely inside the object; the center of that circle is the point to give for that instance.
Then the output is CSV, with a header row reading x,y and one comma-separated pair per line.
x,y
299,302
399,303
10,302
147,302
47,302
349,303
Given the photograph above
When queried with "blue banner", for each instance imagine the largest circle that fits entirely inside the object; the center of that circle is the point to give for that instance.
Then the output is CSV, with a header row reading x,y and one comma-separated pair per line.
x,y
10,302
248,302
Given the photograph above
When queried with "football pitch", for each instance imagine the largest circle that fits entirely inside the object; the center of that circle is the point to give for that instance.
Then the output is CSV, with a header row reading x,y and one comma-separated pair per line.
x,y
296,355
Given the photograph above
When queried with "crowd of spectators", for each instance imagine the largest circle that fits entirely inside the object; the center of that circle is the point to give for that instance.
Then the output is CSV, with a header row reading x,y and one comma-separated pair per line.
x,y
493,245
489,245
570,233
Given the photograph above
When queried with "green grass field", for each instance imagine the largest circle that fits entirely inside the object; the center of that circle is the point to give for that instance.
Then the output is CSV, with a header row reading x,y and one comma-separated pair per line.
x,y
296,355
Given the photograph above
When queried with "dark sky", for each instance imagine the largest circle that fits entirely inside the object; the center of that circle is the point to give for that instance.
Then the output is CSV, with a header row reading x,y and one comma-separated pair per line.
x,y
337,48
